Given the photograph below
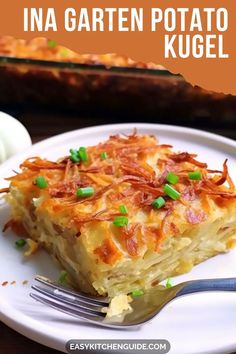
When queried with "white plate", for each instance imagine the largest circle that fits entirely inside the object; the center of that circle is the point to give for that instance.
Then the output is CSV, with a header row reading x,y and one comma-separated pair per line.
x,y
201,323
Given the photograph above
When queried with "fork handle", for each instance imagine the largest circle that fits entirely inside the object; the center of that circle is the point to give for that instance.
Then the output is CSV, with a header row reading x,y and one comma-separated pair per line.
x,y
195,286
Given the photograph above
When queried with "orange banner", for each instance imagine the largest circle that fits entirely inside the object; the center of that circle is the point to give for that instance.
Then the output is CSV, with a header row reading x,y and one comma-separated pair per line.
x,y
199,44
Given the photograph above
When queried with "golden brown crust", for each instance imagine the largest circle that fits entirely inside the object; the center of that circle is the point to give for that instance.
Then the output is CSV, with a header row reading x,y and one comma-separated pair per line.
x,y
107,252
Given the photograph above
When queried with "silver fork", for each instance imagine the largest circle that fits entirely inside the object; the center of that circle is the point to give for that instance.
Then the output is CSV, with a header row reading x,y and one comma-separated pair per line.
x,y
145,307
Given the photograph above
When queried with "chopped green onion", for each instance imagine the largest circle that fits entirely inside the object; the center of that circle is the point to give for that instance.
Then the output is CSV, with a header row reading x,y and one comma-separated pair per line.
x,y
82,152
172,178
171,192
196,175
123,209
120,221
74,156
158,203
62,277
137,292
103,155
78,155
73,152
20,243
85,192
52,43
41,182
64,52
169,283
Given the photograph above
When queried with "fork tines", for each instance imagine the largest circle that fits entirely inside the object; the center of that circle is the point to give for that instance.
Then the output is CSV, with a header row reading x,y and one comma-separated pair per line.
x,y
69,301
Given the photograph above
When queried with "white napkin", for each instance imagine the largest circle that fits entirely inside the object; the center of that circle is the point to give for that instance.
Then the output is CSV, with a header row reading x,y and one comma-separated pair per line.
x,y
13,137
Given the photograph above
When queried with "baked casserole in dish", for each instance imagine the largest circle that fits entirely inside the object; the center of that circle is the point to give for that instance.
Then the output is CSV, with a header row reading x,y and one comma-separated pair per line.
x,y
40,73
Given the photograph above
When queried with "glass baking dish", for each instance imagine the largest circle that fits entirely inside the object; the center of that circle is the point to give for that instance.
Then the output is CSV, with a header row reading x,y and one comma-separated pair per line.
x,y
116,91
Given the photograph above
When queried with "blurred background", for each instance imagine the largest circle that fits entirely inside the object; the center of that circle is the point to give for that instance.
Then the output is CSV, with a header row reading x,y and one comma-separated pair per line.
x,y
51,89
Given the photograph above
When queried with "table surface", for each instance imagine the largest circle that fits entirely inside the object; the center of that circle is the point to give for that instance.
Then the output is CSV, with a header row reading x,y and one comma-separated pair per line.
x,y
41,126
